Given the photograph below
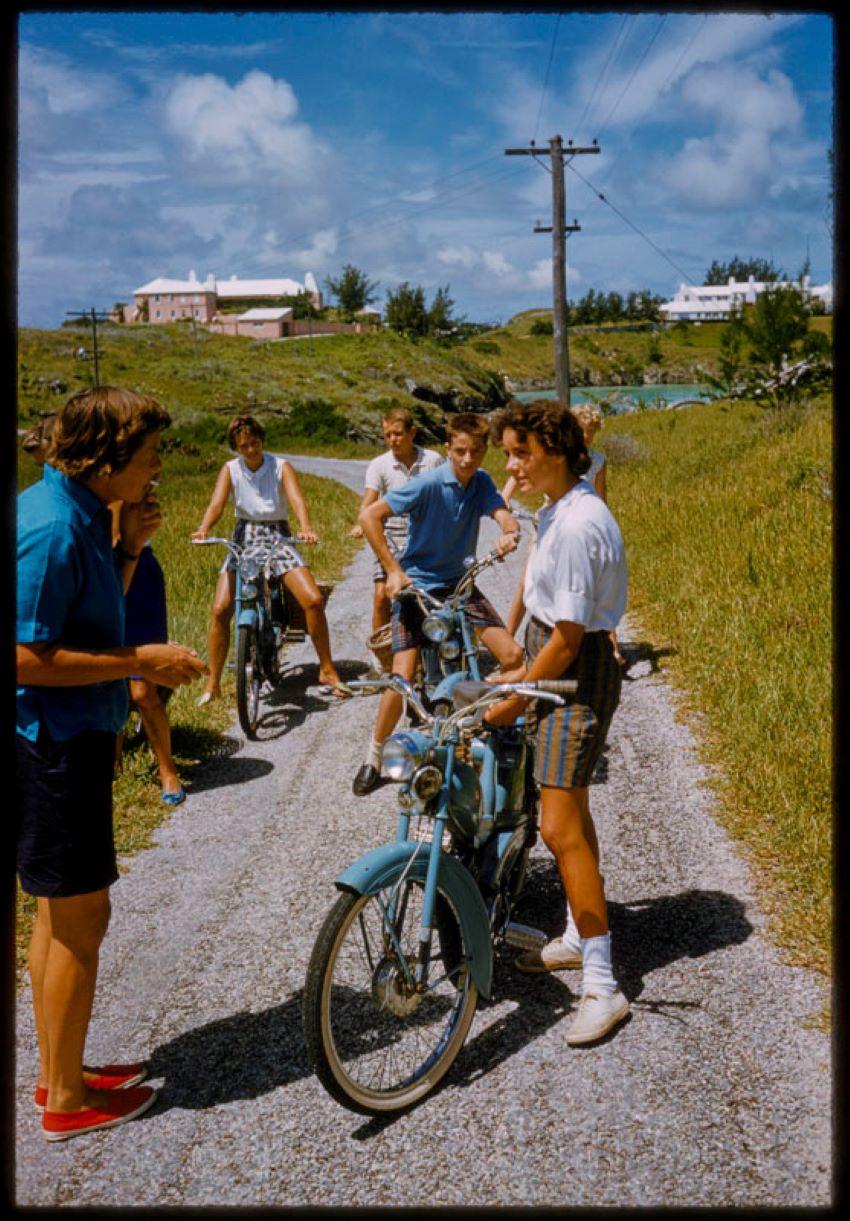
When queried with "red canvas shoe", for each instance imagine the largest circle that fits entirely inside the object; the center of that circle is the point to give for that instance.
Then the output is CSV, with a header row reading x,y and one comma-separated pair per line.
x,y
123,1106
107,1077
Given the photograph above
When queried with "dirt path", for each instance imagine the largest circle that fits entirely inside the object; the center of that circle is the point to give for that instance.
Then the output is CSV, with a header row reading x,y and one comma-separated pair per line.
x,y
717,1092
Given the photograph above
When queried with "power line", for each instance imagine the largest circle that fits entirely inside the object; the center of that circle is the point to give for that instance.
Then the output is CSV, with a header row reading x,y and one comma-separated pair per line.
x,y
631,224
633,75
670,75
603,72
546,78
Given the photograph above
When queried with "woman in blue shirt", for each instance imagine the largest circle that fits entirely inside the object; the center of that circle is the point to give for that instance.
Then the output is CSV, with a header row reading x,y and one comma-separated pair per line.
x,y
71,702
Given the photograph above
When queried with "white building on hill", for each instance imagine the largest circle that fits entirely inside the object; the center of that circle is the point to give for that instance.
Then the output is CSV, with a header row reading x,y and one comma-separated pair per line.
x,y
714,302
165,300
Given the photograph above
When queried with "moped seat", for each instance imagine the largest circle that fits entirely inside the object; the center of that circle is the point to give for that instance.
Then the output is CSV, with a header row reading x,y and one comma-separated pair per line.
x,y
468,691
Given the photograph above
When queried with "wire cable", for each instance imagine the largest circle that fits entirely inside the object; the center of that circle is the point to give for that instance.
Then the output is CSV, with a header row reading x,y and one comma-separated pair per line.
x,y
633,75
670,75
546,78
688,279
603,72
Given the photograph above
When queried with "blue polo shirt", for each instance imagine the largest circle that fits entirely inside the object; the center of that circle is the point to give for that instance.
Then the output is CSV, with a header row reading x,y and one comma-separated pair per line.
x,y
444,518
69,592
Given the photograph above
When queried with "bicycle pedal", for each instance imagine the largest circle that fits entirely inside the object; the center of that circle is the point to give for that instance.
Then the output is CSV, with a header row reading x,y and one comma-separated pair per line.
x,y
293,635
524,937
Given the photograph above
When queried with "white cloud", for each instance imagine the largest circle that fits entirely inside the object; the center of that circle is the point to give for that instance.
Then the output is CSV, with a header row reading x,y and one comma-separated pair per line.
x,y
496,262
737,165
540,276
247,131
458,256
48,78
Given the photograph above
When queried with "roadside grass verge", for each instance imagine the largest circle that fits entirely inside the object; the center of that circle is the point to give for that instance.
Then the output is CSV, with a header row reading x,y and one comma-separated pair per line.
x,y
727,517
190,575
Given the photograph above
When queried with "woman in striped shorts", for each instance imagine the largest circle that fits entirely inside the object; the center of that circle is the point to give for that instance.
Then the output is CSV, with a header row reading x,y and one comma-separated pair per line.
x,y
575,591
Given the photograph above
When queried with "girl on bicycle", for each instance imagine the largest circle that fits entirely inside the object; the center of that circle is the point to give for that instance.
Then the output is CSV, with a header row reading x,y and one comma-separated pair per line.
x,y
261,487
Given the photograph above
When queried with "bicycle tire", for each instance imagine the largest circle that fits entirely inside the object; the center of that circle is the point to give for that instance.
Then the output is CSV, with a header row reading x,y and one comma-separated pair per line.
x,y
365,1020
248,680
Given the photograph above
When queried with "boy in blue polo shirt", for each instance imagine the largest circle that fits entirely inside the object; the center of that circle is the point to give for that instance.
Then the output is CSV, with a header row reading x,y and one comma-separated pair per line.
x,y
444,507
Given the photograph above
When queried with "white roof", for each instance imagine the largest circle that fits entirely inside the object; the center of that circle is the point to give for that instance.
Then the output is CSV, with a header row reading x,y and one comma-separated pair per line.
x,y
265,315
258,288
163,285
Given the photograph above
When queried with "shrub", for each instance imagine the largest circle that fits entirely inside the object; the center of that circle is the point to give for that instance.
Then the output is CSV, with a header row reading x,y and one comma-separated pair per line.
x,y
542,326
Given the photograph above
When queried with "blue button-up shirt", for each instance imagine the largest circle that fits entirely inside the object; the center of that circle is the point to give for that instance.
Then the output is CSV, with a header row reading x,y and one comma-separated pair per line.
x,y
444,519
69,593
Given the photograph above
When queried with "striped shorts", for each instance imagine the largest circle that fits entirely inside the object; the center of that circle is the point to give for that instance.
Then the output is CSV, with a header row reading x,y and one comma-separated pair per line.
x,y
570,739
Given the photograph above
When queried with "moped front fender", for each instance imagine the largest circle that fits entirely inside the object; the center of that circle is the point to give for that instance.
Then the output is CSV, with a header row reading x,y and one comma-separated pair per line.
x,y
247,617
380,868
443,691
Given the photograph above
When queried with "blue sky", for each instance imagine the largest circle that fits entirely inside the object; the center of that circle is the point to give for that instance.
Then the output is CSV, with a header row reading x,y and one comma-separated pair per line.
x,y
272,144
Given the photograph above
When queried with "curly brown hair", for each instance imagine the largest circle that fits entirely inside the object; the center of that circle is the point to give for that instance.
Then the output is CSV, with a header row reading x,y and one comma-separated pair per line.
x,y
554,426
98,431
244,423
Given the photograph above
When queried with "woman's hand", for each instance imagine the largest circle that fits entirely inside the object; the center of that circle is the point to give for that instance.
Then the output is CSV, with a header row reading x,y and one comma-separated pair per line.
x,y
198,535
518,675
139,522
307,535
170,665
356,531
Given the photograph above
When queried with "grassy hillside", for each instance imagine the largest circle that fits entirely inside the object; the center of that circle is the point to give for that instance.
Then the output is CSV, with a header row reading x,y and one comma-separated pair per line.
x,y
343,384
602,356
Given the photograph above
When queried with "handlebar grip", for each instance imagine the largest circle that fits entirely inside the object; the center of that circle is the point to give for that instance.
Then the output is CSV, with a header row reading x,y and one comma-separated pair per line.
x,y
557,686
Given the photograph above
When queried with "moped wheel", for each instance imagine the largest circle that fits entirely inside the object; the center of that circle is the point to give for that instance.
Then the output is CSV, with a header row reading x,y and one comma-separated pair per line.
x,y
375,1043
248,680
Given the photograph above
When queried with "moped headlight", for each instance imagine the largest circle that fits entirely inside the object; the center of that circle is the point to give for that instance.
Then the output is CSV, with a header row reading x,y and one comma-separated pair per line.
x,y
403,754
450,649
427,782
249,592
435,628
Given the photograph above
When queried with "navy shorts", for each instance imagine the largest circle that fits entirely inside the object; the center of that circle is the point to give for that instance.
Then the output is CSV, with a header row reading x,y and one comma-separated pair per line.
x,y
145,617
65,840
406,618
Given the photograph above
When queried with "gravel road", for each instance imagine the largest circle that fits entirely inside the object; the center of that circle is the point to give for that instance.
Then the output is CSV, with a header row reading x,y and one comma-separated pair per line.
x,y
716,1093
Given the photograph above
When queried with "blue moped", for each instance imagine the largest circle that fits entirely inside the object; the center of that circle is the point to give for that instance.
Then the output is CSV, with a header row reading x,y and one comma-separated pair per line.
x,y
407,948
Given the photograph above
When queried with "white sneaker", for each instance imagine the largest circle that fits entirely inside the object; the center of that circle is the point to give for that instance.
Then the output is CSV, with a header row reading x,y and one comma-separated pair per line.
x,y
554,956
596,1016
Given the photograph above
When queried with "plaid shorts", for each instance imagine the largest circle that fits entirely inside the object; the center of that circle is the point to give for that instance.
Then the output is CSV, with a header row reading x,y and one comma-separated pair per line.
x,y
570,739
406,617
261,533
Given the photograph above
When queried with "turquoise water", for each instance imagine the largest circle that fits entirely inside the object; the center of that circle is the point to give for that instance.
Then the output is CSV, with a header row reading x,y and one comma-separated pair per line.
x,y
627,398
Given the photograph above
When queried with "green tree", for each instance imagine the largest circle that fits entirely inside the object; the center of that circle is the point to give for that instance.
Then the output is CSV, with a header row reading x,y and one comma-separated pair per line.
x,y
405,310
440,320
741,269
352,289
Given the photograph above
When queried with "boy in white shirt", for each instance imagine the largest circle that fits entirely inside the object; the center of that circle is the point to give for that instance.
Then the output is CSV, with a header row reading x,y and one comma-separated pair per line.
x,y
403,460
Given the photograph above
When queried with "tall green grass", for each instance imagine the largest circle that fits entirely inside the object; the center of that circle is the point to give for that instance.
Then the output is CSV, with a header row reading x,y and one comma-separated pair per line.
x,y
727,517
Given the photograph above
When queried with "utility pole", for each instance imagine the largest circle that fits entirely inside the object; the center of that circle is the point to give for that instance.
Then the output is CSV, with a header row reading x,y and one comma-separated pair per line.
x,y
559,231
91,316
195,336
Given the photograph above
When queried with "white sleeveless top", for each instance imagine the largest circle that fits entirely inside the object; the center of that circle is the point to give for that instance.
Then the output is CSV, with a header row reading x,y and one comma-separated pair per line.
x,y
258,495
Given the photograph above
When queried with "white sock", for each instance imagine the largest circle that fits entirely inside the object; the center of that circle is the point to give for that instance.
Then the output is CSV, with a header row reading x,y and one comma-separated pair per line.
x,y
571,939
375,754
596,974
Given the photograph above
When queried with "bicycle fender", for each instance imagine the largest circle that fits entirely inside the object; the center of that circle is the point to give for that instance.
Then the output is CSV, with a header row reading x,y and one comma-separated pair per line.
x,y
444,689
380,867
247,617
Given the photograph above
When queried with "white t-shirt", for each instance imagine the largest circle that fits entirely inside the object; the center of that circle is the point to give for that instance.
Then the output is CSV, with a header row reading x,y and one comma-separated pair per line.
x,y
577,568
387,473
258,495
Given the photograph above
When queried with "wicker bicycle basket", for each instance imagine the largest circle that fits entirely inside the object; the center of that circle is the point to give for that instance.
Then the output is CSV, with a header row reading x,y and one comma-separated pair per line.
x,y
295,614
380,642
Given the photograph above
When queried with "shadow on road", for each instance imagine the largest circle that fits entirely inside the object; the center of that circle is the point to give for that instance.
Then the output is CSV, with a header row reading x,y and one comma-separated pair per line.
x,y
288,705
635,651
237,1057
